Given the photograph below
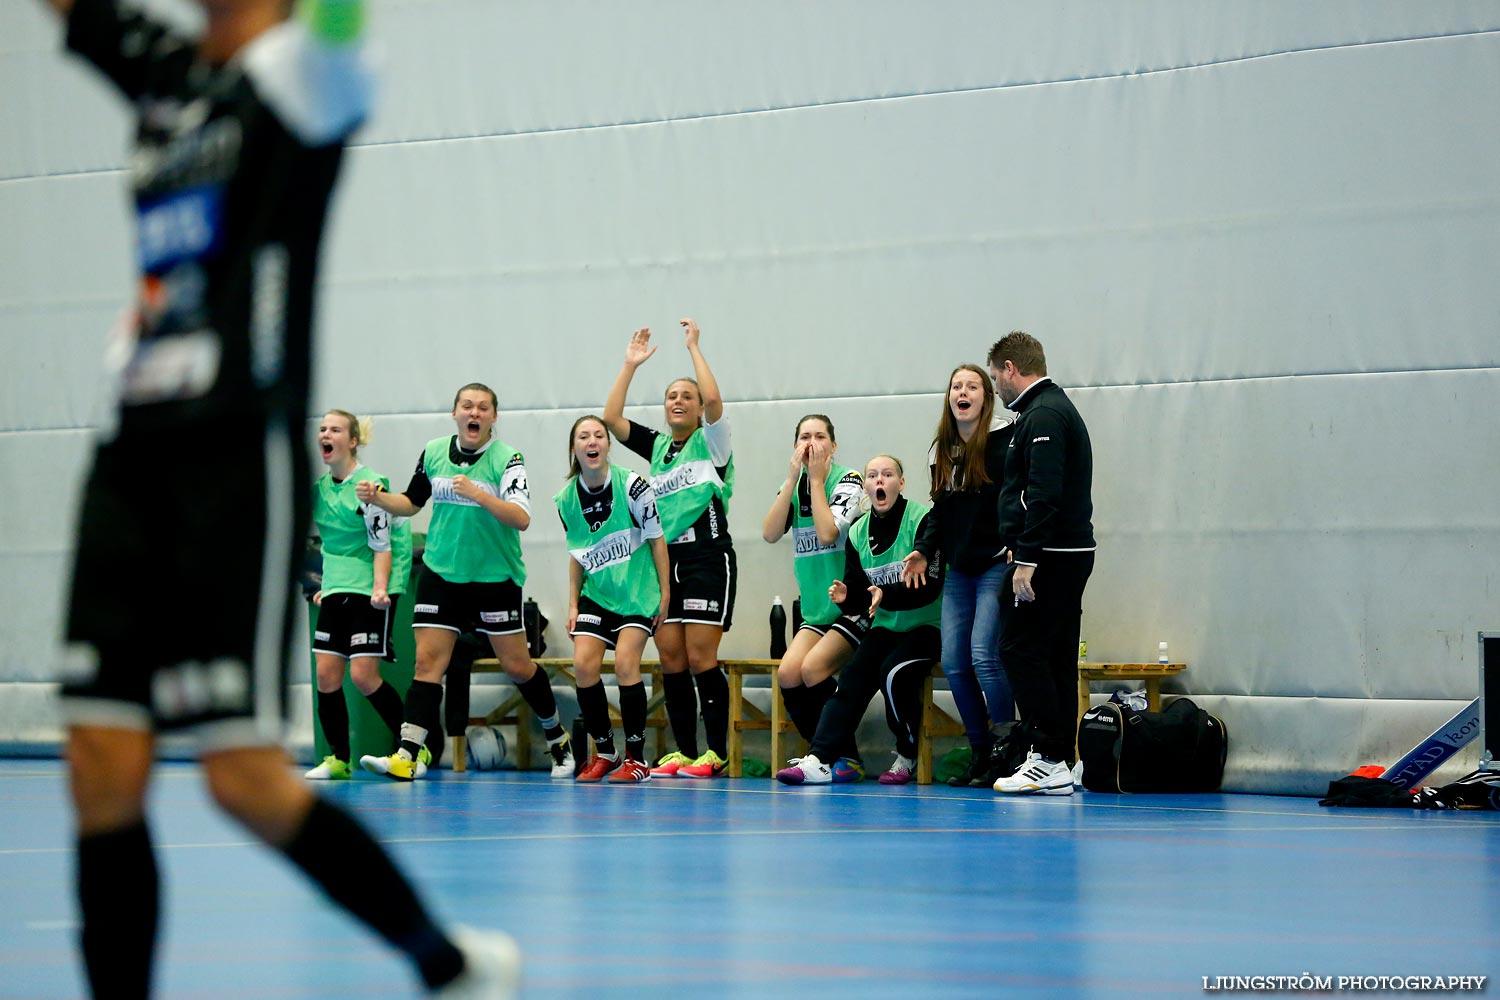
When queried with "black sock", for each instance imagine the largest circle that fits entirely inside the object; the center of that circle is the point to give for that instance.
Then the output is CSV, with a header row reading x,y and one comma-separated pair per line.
x,y
117,899
817,696
713,693
633,719
682,711
795,700
333,716
595,707
538,694
423,701
387,703
356,873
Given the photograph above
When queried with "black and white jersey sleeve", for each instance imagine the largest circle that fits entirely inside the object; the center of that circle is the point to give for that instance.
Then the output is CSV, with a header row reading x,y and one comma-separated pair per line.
x,y
378,525
643,505
848,501
513,486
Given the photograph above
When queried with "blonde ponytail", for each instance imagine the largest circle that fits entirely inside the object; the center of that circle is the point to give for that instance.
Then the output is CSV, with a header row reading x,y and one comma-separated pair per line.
x,y
365,429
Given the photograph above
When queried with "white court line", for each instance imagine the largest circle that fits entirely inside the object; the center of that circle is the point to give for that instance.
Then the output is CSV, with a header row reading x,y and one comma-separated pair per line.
x,y
883,831
1081,800
52,925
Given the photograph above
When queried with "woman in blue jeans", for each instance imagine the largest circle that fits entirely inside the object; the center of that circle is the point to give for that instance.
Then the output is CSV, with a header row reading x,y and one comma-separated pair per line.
x,y
963,530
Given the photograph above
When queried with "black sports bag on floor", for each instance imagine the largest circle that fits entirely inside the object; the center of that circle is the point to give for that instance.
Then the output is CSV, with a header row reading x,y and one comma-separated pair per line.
x,y
1181,749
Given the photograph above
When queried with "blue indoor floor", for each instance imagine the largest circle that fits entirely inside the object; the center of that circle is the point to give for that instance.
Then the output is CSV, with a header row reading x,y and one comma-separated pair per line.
x,y
744,888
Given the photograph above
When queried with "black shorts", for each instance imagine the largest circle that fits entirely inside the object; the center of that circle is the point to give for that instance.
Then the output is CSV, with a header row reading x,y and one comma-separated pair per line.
x,y
181,605
851,627
487,608
598,621
703,585
348,626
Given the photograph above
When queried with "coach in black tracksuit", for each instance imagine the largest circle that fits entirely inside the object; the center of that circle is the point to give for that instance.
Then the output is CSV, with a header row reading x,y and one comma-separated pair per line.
x,y
1046,505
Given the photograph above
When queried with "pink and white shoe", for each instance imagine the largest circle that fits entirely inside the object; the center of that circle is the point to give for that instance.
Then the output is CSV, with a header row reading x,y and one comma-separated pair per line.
x,y
902,772
807,770
669,765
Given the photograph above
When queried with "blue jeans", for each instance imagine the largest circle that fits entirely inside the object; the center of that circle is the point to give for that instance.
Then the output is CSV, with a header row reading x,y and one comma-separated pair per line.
x,y
971,651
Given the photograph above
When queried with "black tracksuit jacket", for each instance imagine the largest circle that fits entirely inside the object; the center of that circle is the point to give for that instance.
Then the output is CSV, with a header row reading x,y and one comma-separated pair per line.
x,y
1046,501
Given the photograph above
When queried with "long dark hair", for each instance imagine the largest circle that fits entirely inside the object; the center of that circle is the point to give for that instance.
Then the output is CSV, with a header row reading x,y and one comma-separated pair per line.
x,y
959,464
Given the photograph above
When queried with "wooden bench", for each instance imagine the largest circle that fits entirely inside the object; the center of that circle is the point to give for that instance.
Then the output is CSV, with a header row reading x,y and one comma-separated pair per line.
x,y
746,716
513,709
1151,673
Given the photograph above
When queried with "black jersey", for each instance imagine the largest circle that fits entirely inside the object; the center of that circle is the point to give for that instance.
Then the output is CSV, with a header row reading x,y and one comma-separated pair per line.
x,y
231,172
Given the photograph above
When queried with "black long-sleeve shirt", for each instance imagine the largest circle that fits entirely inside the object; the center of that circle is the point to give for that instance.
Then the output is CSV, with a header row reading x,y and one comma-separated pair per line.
x,y
963,527
1046,497
883,531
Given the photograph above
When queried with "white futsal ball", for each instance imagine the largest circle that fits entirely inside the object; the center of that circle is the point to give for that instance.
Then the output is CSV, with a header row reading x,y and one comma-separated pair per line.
x,y
485,747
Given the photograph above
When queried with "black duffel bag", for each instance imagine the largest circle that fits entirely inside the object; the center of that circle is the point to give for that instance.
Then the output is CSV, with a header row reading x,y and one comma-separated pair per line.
x,y
1181,749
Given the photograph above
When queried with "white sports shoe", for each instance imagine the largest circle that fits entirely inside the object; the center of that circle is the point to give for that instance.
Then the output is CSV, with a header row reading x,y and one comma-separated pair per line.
x,y
331,769
492,967
398,765
807,770
563,764
1038,776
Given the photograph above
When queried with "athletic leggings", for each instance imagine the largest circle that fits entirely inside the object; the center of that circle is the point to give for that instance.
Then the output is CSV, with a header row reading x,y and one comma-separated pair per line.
x,y
893,663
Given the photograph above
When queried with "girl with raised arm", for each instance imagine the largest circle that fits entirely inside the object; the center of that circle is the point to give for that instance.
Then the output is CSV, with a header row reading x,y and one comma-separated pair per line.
x,y
692,472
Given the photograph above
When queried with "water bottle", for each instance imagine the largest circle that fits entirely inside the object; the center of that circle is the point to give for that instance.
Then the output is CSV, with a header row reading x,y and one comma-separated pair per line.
x,y
778,629
1161,653
797,618
534,623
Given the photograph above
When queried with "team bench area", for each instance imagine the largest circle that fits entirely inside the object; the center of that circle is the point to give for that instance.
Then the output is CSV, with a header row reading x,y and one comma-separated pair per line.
x,y
745,716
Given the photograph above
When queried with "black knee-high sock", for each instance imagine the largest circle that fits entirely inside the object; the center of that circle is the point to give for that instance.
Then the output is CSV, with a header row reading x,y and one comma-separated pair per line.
x,y
423,701
795,700
817,696
538,694
333,716
633,719
682,711
387,703
117,897
595,707
356,873
713,692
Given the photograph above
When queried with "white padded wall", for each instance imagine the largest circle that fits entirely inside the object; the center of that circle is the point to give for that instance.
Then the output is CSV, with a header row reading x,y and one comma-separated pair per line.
x,y
1253,237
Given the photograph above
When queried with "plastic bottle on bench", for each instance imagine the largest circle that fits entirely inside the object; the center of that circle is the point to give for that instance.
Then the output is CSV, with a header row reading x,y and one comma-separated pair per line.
x,y
1161,653
778,629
